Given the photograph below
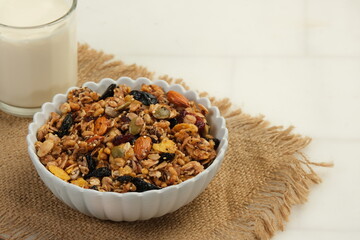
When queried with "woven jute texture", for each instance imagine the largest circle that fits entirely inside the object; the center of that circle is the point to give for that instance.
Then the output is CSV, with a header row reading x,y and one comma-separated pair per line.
x,y
263,175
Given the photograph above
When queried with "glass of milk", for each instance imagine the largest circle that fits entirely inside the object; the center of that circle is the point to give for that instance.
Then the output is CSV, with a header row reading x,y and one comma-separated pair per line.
x,y
38,53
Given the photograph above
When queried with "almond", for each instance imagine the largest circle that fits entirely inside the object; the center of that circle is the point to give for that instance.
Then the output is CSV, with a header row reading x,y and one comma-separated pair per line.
x,y
142,146
177,99
100,126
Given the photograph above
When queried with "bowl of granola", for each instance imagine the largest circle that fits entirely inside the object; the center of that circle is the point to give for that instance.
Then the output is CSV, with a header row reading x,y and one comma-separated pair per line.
x,y
127,150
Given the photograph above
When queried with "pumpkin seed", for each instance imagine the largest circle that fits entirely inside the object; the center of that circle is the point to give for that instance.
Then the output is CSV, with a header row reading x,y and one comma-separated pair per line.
x,y
118,151
123,106
162,113
133,128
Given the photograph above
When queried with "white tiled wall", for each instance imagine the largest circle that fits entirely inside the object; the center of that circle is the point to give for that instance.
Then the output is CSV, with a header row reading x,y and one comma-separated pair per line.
x,y
295,61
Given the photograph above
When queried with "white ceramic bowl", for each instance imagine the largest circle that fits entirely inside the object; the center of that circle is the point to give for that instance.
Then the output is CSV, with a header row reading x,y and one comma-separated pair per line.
x,y
133,205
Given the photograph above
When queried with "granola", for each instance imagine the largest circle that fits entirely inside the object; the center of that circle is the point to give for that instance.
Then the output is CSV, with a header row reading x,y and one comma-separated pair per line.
x,y
126,140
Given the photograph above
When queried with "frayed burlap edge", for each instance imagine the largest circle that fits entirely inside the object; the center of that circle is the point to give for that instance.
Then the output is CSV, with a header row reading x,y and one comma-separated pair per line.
x,y
268,207
265,210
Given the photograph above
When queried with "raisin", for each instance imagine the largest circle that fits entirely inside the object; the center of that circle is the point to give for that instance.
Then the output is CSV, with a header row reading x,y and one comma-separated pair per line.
x,y
142,186
91,162
94,187
109,92
66,125
173,122
99,172
144,97
217,143
166,157
124,119
123,139
125,179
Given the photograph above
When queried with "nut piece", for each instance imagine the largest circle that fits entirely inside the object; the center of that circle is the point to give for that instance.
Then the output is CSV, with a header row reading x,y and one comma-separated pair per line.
x,y
177,99
45,148
100,126
142,147
60,173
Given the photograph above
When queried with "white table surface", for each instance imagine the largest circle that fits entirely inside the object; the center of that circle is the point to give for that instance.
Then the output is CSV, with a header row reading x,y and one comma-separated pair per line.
x,y
295,61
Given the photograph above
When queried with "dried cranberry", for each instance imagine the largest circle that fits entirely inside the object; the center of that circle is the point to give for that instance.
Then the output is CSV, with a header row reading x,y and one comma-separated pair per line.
x,y
124,119
123,139
200,123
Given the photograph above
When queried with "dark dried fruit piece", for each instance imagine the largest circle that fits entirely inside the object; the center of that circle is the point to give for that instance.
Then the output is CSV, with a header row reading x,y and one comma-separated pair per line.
x,y
94,187
123,139
109,92
181,116
144,97
200,123
124,119
173,122
166,157
88,118
217,143
91,162
66,125
142,186
99,172
154,140
125,179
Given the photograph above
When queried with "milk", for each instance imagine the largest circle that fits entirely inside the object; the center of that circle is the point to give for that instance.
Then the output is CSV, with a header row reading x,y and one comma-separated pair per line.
x,y
36,62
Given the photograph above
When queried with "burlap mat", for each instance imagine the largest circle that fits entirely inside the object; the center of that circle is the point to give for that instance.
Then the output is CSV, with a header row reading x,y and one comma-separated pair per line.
x,y
263,175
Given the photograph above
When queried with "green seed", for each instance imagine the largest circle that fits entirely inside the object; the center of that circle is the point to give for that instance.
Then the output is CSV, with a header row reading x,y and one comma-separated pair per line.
x,y
133,128
118,152
123,106
162,113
